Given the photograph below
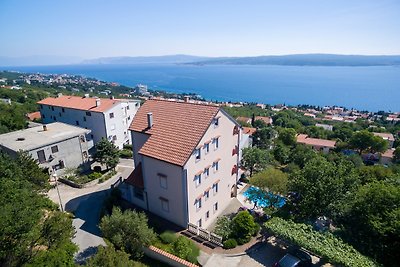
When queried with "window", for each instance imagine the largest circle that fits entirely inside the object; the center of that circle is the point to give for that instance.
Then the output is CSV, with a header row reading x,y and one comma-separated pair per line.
x,y
62,109
207,147
54,149
127,107
215,188
41,156
52,108
197,179
207,172
114,138
197,203
88,113
206,194
59,114
85,155
138,193
43,116
207,214
215,207
77,123
199,223
164,204
84,118
197,154
111,115
91,136
215,166
163,180
41,106
216,142
216,122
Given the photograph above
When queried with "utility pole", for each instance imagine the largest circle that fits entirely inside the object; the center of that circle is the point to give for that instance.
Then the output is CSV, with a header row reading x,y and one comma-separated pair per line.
x,y
58,191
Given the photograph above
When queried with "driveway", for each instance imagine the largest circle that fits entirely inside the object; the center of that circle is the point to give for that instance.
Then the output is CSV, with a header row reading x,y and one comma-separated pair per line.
x,y
86,204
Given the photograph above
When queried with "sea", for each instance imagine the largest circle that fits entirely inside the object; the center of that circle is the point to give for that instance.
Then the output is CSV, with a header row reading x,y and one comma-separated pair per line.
x,y
364,88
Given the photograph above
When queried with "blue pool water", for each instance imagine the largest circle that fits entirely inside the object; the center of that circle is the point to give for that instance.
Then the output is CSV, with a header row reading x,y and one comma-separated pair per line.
x,y
255,195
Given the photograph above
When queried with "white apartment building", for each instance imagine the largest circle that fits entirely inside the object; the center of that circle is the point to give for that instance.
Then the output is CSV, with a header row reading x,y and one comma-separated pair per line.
x,y
186,158
55,146
108,118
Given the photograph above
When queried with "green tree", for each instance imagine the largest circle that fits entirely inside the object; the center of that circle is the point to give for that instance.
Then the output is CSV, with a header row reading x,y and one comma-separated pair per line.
x,y
372,221
107,153
282,153
365,141
243,227
128,231
263,138
321,186
287,136
254,159
374,173
181,247
223,227
273,183
396,154
301,154
109,257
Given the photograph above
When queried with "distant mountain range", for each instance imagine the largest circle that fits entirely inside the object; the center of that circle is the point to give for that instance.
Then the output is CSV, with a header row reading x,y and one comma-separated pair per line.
x,y
285,60
305,60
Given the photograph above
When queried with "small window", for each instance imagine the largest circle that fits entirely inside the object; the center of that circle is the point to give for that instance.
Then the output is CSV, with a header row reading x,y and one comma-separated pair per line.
x,y
215,166
207,172
41,106
114,138
54,149
43,116
197,153
77,123
164,204
85,154
197,180
41,156
206,194
216,122
207,214
59,114
199,224
88,113
215,207
139,193
216,142
52,108
111,115
197,203
163,181
127,107
91,136
84,118
62,109
207,148
215,188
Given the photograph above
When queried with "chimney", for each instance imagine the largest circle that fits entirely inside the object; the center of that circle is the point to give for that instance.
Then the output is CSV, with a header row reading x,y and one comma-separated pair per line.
x,y
98,102
149,120
44,127
187,98
111,97
59,95
86,96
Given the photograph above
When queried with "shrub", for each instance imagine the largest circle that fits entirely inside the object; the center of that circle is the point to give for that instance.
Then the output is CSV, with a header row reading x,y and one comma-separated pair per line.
x,y
94,175
230,243
168,237
243,227
181,247
128,147
326,245
125,153
223,227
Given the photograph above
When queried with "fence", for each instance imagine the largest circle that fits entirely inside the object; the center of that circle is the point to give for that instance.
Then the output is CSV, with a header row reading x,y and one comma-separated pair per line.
x,y
206,235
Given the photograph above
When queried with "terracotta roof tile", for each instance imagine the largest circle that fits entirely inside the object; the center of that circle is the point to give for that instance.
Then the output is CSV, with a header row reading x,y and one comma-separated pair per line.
x,y
249,130
386,136
33,115
388,153
81,103
304,139
177,128
136,177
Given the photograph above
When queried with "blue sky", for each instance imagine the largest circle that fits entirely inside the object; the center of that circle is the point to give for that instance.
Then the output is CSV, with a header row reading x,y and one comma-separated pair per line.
x,y
90,29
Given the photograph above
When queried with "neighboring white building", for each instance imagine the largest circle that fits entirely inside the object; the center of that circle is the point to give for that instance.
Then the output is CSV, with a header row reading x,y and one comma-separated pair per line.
x,y
325,126
108,118
56,145
186,158
317,144
386,136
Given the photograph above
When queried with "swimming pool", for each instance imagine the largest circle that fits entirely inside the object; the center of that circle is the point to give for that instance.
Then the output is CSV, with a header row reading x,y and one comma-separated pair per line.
x,y
262,199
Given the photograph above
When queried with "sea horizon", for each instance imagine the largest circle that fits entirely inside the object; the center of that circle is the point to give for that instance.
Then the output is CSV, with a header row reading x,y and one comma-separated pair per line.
x,y
371,88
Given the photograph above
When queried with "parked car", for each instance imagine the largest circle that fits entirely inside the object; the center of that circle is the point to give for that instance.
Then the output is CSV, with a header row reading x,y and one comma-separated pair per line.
x,y
296,258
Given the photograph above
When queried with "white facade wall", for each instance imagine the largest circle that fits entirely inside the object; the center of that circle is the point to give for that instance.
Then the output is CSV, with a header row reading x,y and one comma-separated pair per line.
x,y
138,140
227,180
101,125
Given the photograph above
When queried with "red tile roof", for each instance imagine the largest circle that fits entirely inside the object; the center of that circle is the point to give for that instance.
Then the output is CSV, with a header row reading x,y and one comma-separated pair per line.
x,y
386,136
249,130
304,139
81,103
136,177
172,257
177,128
33,115
388,153
244,119
267,120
